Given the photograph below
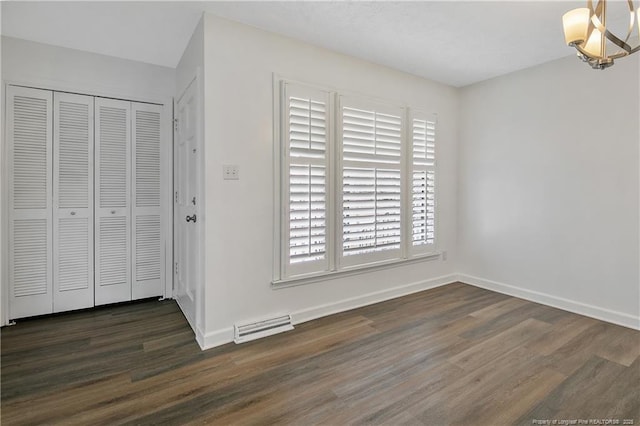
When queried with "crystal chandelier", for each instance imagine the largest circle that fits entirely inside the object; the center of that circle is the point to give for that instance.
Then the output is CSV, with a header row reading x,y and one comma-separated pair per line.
x,y
586,30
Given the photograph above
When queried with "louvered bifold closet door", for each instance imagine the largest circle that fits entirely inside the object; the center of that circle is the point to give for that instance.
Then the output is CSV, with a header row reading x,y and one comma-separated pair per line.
x,y
371,181
146,218
72,202
29,133
112,201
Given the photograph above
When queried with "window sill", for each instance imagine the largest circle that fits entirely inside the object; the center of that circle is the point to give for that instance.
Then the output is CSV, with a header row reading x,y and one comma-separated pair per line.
x,y
355,270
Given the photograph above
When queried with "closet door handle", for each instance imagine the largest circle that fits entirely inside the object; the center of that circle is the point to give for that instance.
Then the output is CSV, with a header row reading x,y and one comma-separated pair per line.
x,y
113,212
72,213
191,218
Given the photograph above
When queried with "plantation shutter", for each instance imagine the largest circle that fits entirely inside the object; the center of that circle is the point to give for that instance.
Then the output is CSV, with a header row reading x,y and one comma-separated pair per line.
x,y
146,223
29,125
305,179
73,202
112,208
423,182
371,181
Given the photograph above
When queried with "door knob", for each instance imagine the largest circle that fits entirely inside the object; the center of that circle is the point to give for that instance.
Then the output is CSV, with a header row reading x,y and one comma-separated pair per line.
x,y
191,218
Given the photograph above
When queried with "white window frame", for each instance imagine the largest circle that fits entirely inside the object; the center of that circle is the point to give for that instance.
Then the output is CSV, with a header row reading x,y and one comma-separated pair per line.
x,y
335,264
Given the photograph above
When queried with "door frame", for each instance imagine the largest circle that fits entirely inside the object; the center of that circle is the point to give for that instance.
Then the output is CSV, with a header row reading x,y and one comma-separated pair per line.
x,y
198,326
166,164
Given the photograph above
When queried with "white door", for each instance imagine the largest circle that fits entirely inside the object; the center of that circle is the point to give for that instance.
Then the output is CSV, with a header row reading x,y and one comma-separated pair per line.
x,y
112,201
187,203
29,126
146,221
72,202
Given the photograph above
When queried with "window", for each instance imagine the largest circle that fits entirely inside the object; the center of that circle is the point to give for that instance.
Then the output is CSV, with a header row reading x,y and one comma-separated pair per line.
x,y
306,117
423,172
354,194
370,139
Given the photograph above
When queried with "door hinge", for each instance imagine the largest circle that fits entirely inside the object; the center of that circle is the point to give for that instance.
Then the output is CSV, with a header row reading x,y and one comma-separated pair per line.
x,y
175,124
176,268
176,197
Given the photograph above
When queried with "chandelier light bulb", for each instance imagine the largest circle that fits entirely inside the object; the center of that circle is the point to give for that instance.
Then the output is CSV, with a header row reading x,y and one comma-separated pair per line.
x,y
593,44
576,25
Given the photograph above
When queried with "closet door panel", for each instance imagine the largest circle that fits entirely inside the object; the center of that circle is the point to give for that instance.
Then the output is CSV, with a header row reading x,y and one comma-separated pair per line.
x,y
112,198
73,285
146,221
29,124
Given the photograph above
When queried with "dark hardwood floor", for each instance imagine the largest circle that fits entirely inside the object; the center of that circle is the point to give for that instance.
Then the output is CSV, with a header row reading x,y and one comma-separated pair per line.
x,y
452,355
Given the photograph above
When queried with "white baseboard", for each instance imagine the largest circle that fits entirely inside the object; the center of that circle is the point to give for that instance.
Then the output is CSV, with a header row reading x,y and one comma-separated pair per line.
x,y
214,338
580,308
370,298
225,335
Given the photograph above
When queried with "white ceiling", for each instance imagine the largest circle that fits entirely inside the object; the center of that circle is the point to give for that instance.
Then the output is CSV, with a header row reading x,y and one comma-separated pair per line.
x,y
454,42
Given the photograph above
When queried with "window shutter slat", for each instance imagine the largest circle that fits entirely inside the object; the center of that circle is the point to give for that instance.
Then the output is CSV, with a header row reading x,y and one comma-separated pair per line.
x,y
371,136
371,194
371,210
306,127
423,182
307,210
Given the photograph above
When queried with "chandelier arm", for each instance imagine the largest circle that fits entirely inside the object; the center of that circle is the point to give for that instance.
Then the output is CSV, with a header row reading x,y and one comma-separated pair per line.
x,y
616,55
632,18
615,40
587,54
595,20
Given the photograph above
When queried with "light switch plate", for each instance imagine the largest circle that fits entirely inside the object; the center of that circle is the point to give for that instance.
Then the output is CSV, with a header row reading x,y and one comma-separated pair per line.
x,y
230,172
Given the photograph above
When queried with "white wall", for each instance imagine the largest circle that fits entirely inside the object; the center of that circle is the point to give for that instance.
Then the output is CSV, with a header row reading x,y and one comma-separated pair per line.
x,y
3,182
549,186
239,63
62,68
192,59
58,68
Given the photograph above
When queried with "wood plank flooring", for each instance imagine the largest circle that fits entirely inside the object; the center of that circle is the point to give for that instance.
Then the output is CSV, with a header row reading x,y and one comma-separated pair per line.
x,y
452,355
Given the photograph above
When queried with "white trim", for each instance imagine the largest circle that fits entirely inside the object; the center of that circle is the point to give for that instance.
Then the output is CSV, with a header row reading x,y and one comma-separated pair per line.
x,y
580,308
370,298
4,210
196,318
354,270
214,338
202,194
190,320
278,258
225,335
